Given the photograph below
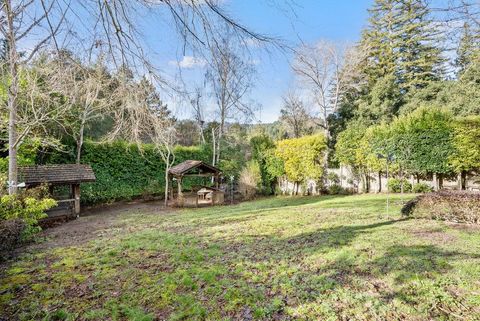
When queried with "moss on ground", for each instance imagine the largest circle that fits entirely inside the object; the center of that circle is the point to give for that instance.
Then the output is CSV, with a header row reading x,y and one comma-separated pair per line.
x,y
316,258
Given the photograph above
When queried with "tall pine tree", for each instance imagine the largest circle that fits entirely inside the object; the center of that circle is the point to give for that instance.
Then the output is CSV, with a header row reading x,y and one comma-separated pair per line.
x,y
419,57
468,50
401,41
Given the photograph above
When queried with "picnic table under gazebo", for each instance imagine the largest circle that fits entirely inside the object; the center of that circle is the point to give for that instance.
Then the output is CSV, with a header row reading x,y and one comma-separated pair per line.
x,y
196,168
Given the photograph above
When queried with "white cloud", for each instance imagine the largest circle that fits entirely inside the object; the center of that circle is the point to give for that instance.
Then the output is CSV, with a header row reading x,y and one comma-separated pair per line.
x,y
189,62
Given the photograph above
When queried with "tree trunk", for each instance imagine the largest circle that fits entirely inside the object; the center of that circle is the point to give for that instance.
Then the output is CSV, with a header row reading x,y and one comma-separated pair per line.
x,y
202,134
379,190
364,183
219,140
434,182
440,181
12,98
401,181
167,185
80,141
462,180
214,145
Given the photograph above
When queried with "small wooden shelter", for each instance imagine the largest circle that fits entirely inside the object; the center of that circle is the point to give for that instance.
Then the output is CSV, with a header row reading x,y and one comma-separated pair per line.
x,y
196,168
68,176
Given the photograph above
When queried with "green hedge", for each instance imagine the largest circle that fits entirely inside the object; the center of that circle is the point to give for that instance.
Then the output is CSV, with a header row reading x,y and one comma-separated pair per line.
x,y
124,171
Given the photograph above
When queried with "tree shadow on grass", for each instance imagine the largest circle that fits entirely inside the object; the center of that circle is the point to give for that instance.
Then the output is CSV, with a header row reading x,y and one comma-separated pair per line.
x,y
252,209
262,247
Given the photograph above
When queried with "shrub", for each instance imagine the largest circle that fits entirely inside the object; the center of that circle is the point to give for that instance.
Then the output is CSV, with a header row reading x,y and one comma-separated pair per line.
x,y
422,188
333,178
29,206
336,189
454,206
250,179
395,185
11,232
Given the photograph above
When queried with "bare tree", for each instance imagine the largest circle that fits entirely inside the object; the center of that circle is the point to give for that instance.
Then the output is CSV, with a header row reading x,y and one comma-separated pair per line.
x,y
15,26
326,69
197,103
231,79
86,90
91,23
295,115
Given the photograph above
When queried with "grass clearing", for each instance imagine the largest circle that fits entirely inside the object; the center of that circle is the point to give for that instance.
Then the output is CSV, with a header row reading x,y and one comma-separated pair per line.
x,y
311,258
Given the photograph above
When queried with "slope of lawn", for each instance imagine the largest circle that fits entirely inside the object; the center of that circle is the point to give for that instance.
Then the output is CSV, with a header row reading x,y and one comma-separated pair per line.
x,y
324,258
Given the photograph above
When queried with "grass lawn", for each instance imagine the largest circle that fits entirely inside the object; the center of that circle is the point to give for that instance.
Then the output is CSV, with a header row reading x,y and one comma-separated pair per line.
x,y
323,258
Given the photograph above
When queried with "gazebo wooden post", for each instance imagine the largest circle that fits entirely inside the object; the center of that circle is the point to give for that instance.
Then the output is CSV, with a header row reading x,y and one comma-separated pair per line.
x,y
180,194
76,197
170,186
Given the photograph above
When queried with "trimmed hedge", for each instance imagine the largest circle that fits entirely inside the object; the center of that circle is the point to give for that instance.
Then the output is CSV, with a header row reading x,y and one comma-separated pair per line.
x,y
125,172
453,206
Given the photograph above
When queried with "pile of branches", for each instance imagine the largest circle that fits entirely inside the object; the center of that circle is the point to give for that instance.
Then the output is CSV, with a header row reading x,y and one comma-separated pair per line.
x,y
453,206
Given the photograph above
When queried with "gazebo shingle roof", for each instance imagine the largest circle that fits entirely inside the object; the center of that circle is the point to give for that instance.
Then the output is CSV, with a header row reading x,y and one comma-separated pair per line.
x,y
56,174
189,165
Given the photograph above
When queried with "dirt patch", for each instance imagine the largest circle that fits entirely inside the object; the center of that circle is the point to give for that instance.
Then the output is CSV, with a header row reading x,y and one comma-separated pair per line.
x,y
438,237
469,228
93,223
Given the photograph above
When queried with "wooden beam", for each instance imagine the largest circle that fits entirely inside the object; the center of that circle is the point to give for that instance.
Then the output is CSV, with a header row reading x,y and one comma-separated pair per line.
x,y
76,196
180,199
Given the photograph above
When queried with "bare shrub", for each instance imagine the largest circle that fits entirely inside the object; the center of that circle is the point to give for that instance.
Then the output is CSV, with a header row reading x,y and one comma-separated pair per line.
x,y
10,235
249,181
453,206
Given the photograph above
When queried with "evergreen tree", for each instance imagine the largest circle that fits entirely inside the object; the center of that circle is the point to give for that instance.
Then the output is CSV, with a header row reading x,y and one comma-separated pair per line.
x,y
379,39
419,58
468,49
402,56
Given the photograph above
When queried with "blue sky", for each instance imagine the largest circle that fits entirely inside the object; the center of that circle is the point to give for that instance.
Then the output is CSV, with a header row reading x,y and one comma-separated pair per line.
x,y
310,20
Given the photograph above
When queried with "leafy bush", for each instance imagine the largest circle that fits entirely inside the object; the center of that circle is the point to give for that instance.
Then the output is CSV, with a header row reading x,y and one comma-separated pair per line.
x,y
250,180
333,178
336,189
454,206
28,206
395,185
422,188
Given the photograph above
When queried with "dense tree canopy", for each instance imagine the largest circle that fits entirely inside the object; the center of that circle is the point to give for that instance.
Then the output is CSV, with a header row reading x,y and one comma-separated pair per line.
x,y
302,157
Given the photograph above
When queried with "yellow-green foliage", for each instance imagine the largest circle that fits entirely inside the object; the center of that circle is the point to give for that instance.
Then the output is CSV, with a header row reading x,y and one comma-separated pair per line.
x,y
372,144
302,157
28,206
466,142
347,144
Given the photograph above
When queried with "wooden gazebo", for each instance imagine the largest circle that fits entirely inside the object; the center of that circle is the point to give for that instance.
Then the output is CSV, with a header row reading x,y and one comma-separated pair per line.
x,y
62,175
196,168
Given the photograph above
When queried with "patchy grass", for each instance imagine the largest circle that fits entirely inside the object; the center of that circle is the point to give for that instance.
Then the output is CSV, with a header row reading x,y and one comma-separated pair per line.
x,y
325,258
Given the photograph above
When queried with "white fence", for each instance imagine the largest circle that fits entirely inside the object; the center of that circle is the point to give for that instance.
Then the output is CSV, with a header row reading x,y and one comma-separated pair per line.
x,y
347,179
